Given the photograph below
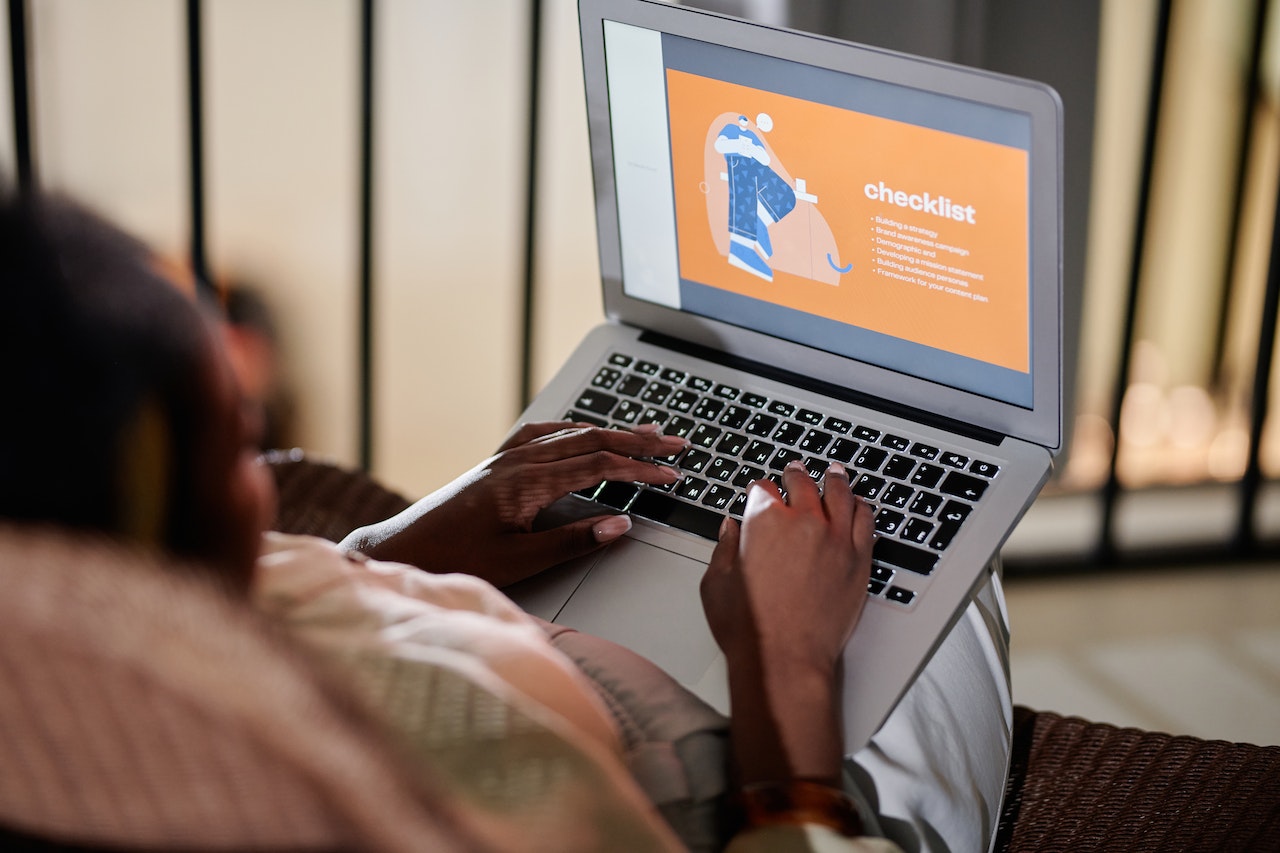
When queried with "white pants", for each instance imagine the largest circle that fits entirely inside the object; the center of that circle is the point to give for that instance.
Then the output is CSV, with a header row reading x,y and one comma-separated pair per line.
x,y
933,776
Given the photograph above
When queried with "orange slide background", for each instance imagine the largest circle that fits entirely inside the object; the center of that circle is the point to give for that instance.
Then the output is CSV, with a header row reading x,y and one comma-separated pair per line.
x,y
837,152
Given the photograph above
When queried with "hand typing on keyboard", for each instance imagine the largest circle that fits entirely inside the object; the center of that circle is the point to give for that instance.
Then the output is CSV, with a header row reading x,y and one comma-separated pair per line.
x,y
481,523
782,595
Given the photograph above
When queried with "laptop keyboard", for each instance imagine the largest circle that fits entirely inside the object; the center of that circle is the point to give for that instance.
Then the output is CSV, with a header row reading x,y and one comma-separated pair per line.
x,y
921,494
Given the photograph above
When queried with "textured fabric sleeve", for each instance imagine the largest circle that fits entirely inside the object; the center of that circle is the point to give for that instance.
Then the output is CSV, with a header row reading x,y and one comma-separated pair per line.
x,y
474,693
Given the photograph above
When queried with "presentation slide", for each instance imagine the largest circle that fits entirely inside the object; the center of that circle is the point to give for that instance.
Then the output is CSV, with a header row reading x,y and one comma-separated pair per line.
x,y
902,230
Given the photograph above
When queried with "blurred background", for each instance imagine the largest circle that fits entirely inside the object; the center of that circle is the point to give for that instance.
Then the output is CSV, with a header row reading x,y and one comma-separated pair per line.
x,y
393,197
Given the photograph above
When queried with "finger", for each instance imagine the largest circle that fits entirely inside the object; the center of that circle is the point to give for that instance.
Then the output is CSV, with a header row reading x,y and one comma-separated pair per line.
x,y
761,495
863,527
802,492
562,476
579,442
528,432
837,497
726,552
547,548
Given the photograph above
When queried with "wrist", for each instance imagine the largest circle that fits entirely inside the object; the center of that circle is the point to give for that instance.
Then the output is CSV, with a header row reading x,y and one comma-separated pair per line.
x,y
796,802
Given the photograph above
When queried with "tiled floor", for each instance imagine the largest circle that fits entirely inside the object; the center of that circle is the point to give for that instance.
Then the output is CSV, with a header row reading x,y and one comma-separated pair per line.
x,y
1185,651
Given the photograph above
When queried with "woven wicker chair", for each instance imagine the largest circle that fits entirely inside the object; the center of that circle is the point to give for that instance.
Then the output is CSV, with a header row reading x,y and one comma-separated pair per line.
x,y
1074,785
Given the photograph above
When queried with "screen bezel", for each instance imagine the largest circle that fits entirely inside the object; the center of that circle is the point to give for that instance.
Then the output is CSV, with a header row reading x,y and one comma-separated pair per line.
x,y
1042,422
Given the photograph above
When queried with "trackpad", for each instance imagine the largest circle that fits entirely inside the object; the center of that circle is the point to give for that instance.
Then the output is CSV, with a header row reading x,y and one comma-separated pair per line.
x,y
646,599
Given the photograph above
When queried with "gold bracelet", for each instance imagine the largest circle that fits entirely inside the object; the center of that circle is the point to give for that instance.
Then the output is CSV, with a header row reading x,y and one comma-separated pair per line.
x,y
800,801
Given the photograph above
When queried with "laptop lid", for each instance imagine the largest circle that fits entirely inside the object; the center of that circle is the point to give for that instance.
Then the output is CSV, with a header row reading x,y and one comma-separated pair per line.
x,y
867,220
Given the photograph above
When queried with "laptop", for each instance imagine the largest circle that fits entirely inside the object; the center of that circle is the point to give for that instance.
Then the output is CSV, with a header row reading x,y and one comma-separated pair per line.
x,y
814,250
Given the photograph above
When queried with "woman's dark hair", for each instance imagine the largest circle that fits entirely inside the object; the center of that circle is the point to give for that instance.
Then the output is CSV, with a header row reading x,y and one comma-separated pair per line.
x,y
92,337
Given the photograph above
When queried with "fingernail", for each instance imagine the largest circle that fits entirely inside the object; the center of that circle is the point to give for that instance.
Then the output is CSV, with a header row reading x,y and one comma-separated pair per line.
x,y
611,528
674,472
646,429
796,465
838,469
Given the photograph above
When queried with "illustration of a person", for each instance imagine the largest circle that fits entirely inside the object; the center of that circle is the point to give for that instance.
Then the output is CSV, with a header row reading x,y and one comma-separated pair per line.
x,y
758,197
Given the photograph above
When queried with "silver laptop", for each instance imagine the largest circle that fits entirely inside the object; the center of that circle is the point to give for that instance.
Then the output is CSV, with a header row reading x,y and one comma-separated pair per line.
x,y
820,251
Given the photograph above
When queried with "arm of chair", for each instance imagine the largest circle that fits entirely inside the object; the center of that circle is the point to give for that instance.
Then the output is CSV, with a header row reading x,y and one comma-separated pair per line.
x,y
319,498
1077,785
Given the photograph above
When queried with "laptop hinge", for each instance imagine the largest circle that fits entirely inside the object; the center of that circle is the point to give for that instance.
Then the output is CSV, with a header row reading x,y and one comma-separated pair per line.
x,y
828,389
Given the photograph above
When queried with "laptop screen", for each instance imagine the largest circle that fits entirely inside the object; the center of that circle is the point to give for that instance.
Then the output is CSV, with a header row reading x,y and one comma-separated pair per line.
x,y
864,218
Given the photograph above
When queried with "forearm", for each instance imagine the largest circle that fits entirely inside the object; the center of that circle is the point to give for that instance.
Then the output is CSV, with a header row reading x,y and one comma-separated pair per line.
x,y
785,721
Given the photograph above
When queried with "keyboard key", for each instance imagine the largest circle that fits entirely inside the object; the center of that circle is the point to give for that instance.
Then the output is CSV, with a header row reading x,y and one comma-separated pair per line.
x,y
691,488
871,458
837,425
843,450
648,368
708,409
606,377
705,435
683,400
584,418
917,530
755,401
719,497
926,503
955,460
782,457
656,393
809,416
955,512
747,475
898,495
864,433
620,360
875,587
732,443
596,402
924,451
697,383
735,416
739,505
927,476
617,495
654,416
815,441
868,486
728,392
665,509
892,552
675,377
899,467
964,486
895,442
788,433
761,424
589,492
815,466
889,521
781,409
884,574
984,469
695,460
631,386
628,411
722,469
758,452
900,595
680,426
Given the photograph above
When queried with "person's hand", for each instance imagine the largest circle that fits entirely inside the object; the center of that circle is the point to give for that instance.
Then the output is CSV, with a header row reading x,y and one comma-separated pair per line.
x,y
782,595
482,522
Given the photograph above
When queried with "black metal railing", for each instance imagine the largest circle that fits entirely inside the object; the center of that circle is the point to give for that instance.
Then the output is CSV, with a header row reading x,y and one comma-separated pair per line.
x,y
1244,543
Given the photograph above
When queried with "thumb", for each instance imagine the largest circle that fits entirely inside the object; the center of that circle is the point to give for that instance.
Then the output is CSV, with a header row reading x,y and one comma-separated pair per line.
x,y
547,548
